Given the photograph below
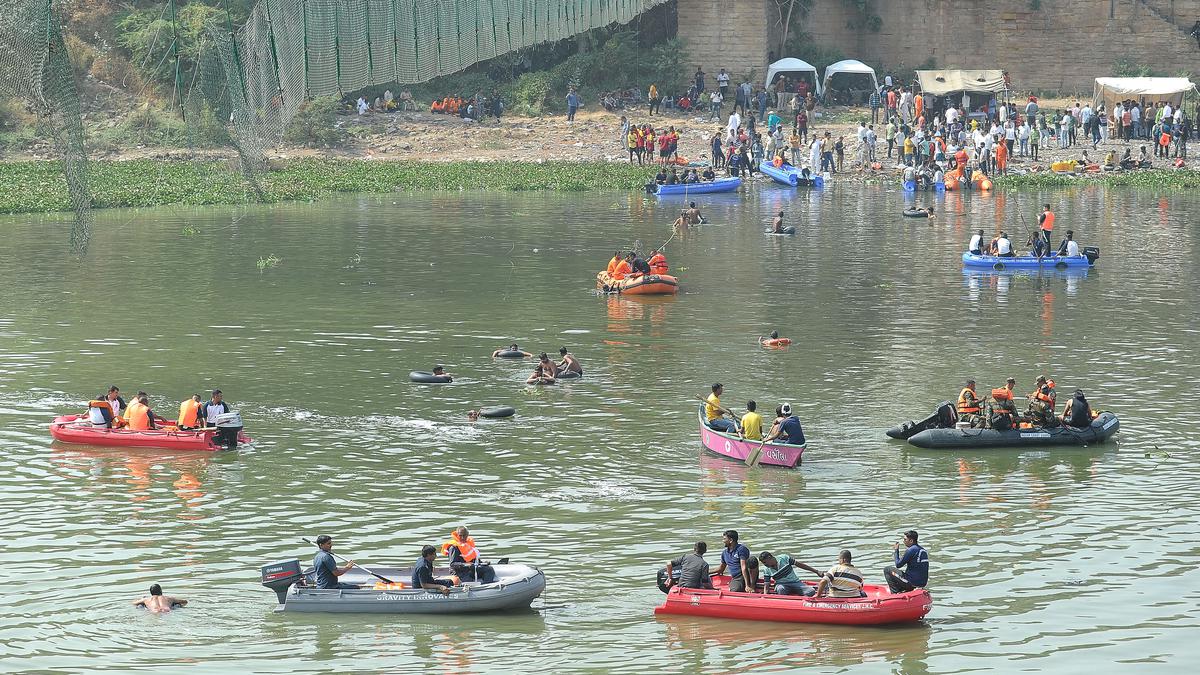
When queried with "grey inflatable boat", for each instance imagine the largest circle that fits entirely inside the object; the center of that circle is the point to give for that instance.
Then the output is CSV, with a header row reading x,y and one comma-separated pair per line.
x,y
1100,430
515,587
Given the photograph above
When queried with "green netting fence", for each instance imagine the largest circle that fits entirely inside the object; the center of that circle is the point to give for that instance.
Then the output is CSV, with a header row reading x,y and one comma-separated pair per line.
x,y
250,81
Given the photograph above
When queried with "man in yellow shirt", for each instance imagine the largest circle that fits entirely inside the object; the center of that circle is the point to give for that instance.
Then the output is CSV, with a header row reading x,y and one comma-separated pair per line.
x,y
713,411
752,423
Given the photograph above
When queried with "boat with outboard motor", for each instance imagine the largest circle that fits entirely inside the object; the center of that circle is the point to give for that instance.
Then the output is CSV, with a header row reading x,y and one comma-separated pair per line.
x,y
733,447
226,433
1033,262
638,284
515,587
1100,430
879,606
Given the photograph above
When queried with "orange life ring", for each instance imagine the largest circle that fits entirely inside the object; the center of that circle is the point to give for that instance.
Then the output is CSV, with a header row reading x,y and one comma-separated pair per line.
x,y
985,184
776,342
777,162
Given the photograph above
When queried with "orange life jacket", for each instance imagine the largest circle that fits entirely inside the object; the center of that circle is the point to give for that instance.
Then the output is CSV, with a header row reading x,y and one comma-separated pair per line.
x,y
612,265
139,416
658,264
189,413
1048,223
466,549
623,269
1002,394
103,405
963,406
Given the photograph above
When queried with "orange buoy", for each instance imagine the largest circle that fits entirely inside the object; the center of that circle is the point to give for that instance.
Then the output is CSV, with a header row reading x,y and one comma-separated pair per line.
x,y
985,184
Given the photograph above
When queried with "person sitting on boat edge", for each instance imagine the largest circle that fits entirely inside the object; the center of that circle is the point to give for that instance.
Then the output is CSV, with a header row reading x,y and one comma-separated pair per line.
x,y
422,576
733,559
614,261
915,563
1069,247
751,423
976,245
1004,247
781,570
790,427
1002,414
713,412
325,568
215,406
709,175
189,413
1078,412
157,602
637,265
660,178
511,348
657,262
693,569
622,270
464,557
569,364
969,405
843,580
116,406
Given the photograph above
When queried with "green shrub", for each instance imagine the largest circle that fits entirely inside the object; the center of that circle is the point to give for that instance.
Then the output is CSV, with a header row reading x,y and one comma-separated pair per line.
x,y
315,125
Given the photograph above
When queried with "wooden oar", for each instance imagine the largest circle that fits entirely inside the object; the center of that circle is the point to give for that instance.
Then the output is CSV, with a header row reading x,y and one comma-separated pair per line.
x,y
755,454
377,576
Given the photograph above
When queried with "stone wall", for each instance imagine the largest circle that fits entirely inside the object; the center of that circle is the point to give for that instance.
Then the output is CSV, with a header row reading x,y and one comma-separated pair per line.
x,y
1063,45
729,34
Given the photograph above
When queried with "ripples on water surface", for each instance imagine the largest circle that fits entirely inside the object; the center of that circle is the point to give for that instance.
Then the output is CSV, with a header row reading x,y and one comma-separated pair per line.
x,y
1072,559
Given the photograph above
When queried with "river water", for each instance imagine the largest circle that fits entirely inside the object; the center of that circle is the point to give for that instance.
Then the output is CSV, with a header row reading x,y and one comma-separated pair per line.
x,y
1065,559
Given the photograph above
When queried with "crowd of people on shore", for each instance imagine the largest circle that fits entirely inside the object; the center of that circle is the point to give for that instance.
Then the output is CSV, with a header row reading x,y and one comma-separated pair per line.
x,y
776,573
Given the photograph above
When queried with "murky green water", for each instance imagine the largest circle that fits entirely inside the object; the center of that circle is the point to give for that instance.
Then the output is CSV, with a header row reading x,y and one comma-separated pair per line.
x,y
1071,560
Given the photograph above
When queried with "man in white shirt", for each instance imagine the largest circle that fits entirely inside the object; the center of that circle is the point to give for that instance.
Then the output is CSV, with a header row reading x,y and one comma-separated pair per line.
x,y
976,245
723,83
951,115
1004,246
735,121
1069,247
716,99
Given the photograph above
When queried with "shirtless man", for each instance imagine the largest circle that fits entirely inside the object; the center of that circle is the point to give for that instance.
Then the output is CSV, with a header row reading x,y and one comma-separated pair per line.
x,y
569,363
777,224
511,348
682,220
158,603
693,214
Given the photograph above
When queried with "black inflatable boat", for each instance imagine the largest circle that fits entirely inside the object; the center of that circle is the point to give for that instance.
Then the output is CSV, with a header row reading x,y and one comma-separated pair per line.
x,y
1100,430
943,417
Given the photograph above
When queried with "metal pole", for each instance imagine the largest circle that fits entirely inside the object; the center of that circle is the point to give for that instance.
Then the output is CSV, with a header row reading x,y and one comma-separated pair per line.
x,y
370,56
237,58
274,54
337,44
175,56
395,44
304,23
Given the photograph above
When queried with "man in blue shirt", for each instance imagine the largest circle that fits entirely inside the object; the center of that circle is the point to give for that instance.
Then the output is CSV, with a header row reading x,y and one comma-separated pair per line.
x,y
326,569
733,558
573,104
915,561
789,429
423,573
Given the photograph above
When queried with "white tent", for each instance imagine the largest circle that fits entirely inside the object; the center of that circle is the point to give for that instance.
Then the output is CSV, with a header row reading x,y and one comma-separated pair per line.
x,y
856,74
1111,90
794,69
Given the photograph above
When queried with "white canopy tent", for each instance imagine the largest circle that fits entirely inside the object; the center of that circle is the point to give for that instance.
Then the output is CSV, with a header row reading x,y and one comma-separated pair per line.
x,y
794,69
855,76
1111,90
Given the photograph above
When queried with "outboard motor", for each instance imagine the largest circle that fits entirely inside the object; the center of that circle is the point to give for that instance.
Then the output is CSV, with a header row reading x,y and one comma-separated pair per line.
x,y
229,425
280,577
662,578
1091,253
947,415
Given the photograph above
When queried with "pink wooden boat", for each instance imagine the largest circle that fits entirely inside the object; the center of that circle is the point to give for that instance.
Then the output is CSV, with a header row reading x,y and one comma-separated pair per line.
x,y
729,445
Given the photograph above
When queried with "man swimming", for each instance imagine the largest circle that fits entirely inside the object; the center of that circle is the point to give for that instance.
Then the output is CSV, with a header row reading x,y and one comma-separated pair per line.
x,y
157,602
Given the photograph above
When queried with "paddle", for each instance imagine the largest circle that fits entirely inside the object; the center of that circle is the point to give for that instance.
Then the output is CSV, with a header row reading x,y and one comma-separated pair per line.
x,y
377,576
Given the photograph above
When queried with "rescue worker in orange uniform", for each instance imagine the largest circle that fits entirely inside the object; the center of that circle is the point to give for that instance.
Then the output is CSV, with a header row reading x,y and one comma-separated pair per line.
x,y
1042,403
612,264
189,413
1046,221
1002,411
969,405
464,558
141,417
623,268
658,262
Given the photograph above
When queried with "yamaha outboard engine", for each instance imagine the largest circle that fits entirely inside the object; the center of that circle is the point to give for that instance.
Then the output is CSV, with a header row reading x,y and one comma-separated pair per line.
x,y
1091,253
229,425
280,577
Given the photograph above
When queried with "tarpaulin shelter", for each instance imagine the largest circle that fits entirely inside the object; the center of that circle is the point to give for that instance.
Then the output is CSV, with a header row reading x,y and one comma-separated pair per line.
x,y
1111,90
944,82
794,69
851,74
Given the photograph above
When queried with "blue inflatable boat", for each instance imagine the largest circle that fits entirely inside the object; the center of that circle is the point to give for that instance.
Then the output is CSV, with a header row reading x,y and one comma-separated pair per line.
x,y
911,186
705,187
790,175
1029,262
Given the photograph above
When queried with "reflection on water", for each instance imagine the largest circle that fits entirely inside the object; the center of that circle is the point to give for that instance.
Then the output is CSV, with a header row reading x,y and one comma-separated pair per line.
x,y
602,479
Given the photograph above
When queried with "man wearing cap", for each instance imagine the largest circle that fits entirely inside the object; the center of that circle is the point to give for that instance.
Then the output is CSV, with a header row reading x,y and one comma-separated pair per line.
x,y
789,428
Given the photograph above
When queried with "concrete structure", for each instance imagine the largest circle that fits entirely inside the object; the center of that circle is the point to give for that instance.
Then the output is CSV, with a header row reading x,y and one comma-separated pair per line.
x,y
1062,45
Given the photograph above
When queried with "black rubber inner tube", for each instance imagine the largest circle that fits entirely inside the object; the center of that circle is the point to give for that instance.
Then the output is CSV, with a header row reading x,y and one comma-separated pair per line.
x,y
916,214
422,377
497,411
568,375
998,266
510,354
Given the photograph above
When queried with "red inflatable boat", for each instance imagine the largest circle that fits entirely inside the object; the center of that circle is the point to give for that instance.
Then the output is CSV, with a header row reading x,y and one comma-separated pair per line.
x,y
77,429
881,606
